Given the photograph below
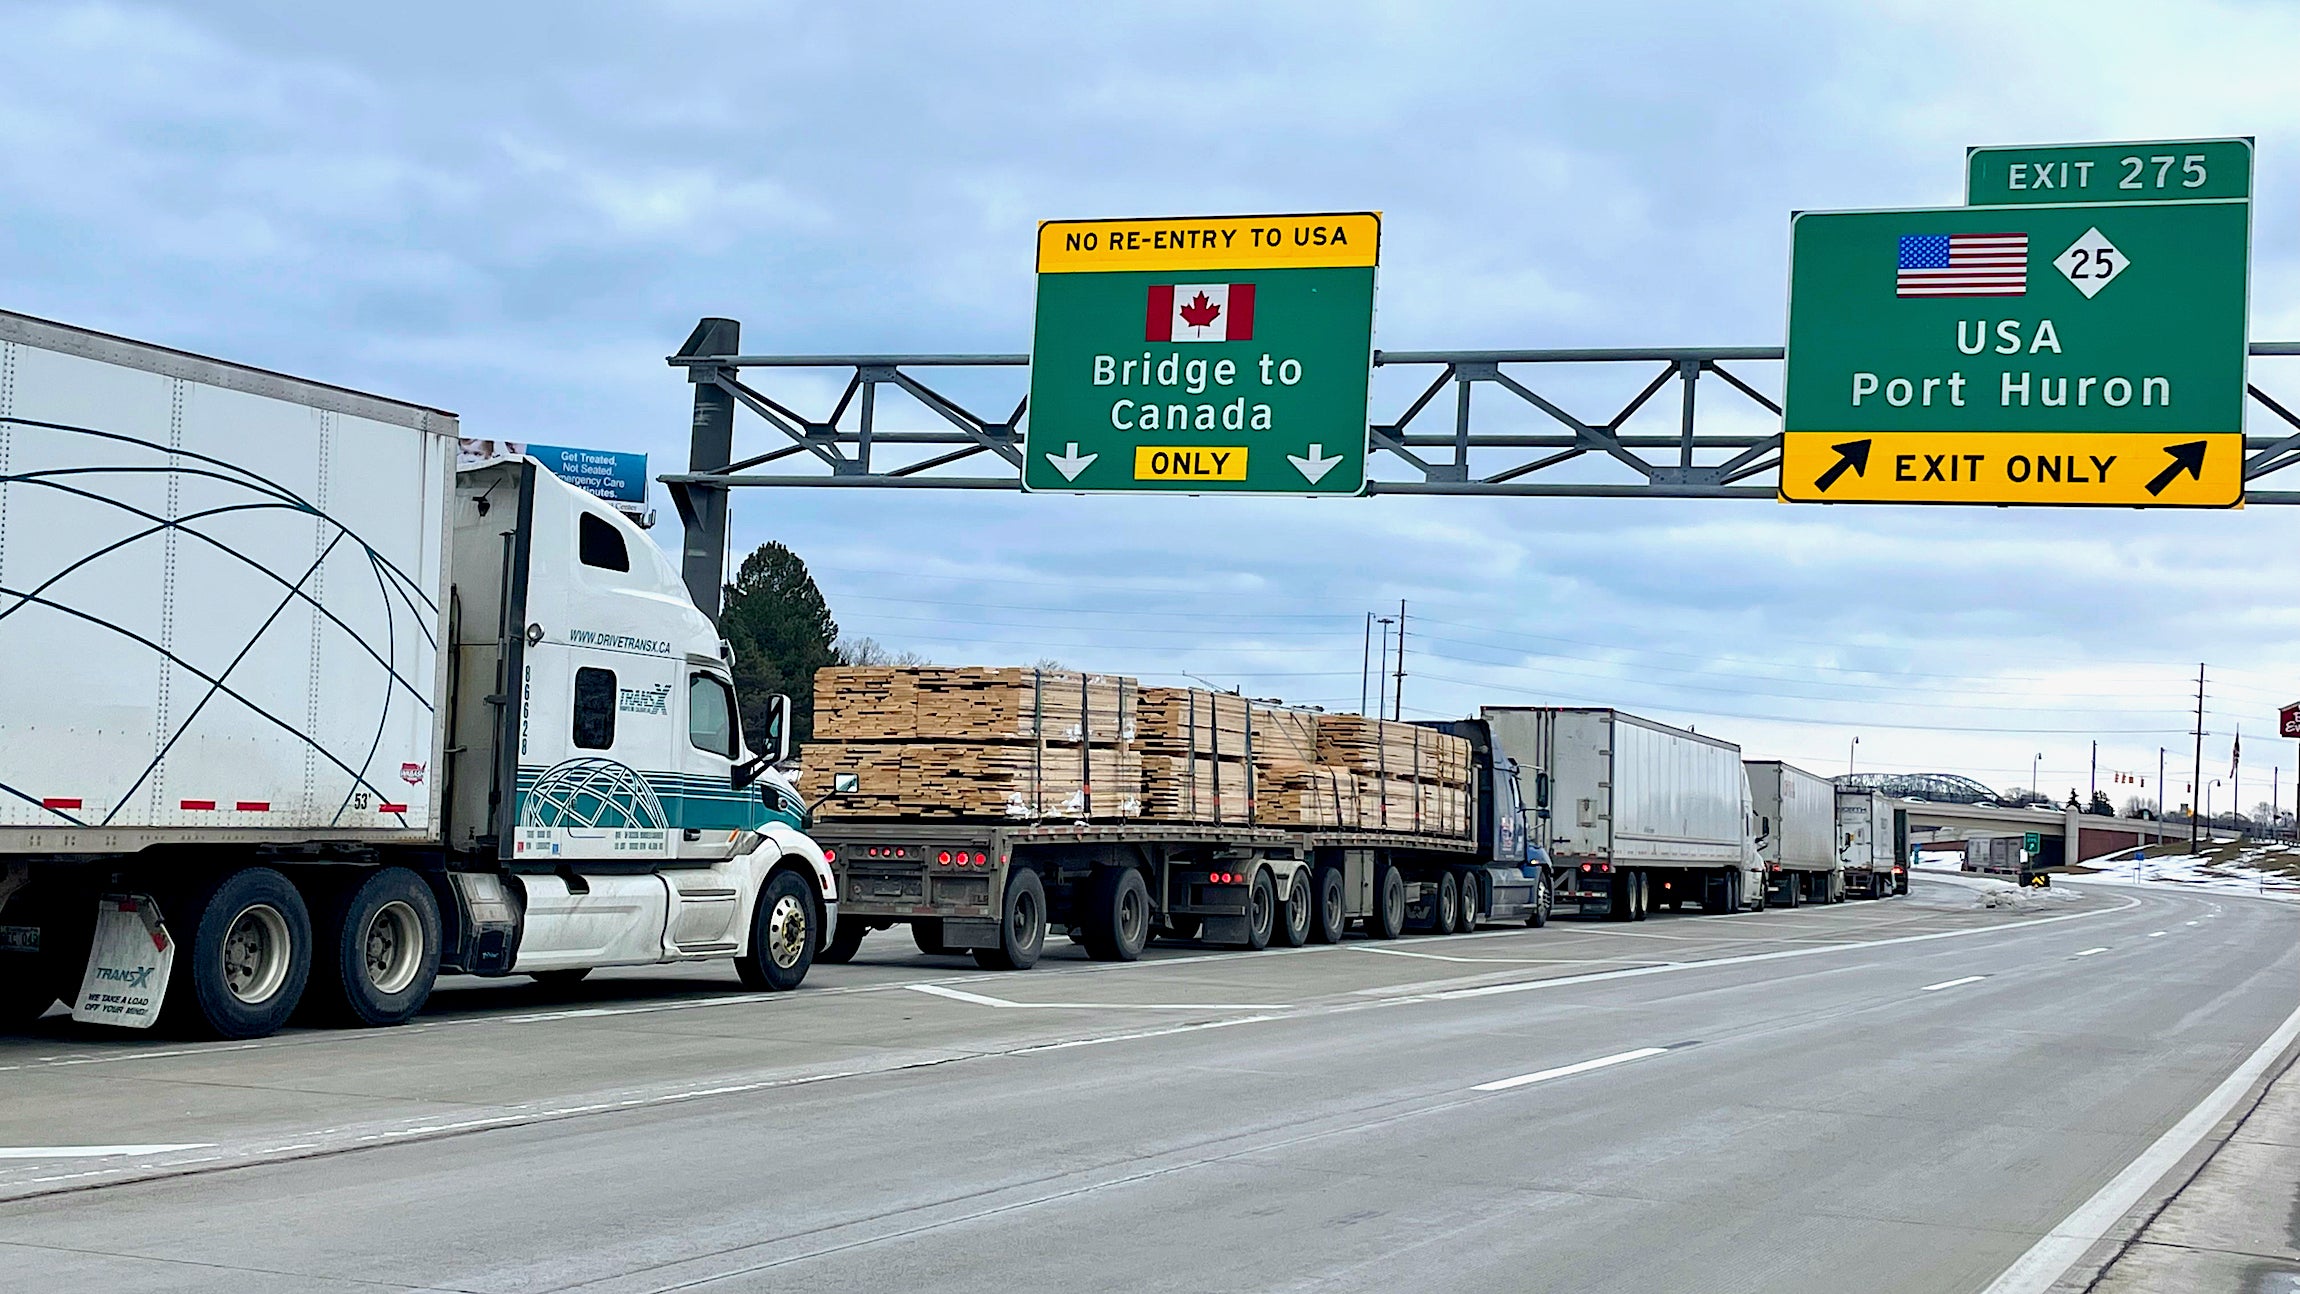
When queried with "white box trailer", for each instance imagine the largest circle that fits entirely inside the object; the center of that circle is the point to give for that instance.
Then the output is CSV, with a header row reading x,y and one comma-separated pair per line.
x,y
1639,814
1796,833
1873,842
287,699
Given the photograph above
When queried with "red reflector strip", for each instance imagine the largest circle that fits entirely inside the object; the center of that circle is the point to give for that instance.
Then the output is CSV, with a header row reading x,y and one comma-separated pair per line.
x,y
391,808
197,804
59,803
255,806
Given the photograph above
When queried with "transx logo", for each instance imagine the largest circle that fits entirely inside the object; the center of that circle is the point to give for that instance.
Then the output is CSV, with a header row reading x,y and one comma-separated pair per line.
x,y
132,976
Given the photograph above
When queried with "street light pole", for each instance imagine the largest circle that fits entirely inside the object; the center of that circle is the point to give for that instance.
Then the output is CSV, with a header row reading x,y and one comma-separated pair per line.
x,y
1851,751
2032,795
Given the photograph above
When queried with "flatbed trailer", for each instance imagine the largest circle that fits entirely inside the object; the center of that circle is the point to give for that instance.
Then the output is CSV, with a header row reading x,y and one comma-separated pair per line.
x,y
993,889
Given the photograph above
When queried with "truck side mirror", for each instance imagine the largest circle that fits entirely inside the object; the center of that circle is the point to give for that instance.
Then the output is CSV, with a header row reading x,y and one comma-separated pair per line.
x,y
778,733
1541,791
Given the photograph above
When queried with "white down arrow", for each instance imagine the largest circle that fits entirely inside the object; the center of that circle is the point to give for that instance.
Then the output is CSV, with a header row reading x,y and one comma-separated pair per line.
x,y
1070,462
1316,465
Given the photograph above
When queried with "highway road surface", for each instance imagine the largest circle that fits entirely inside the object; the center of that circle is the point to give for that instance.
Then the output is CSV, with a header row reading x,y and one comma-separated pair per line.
x,y
1909,1095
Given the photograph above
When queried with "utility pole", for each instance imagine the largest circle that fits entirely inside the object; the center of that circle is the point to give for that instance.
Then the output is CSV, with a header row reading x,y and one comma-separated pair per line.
x,y
1366,665
2094,789
1381,672
1398,694
2160,792
2199,782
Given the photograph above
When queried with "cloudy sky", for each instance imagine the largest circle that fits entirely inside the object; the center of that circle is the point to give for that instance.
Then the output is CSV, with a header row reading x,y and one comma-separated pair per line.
x,y
515,211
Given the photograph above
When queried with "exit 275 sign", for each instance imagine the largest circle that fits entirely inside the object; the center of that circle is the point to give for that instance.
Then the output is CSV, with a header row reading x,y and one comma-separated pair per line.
x,y
1203,355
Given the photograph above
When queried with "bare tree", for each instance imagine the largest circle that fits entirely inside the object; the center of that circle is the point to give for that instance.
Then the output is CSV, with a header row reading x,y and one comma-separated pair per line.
x,y
869,651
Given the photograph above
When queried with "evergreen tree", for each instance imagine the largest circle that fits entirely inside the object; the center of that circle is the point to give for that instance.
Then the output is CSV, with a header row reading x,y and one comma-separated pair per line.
x,y
782,632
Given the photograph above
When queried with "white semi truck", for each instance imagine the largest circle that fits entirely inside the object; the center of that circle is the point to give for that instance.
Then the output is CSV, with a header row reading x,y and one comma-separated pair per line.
x,y
1872,842
295,713
1640,815
1796,833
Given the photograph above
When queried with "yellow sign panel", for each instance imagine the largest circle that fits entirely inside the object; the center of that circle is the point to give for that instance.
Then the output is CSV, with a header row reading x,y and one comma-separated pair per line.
x,y
1194,244
2071,468
1189,462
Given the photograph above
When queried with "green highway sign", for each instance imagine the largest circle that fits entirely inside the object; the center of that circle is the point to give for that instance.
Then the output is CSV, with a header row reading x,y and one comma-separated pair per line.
x,y
2179,170
1203,355
2083,352
2032,842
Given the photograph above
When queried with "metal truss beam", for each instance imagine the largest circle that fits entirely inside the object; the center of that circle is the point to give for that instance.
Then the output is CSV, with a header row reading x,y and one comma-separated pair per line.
x,y
1513,430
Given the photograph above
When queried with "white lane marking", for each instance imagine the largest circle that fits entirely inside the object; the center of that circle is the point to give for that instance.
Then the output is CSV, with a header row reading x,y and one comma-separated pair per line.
x,y
1562,1071
2042,1266
2090,951
2156,934
2192,923
1952,983
979,999
98,1152
1422,991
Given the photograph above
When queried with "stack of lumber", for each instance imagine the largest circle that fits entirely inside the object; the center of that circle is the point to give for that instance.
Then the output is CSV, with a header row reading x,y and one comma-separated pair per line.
x,y
930,741
1385,749
937,703
1057,745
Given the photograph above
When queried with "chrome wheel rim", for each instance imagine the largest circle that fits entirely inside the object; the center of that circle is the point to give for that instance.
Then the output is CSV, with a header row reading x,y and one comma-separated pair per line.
x,y
1133,917
256,954
393,947
787,931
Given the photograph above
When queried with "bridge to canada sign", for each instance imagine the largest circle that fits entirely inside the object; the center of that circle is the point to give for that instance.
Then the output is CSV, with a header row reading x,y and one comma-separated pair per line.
x,y
1203,355
2074,336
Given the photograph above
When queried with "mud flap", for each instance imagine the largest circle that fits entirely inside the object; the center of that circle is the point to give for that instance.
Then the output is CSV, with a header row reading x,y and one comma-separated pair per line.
x,y
128,964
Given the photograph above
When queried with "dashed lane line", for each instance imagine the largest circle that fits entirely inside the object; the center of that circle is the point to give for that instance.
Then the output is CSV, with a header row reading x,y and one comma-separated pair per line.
x,y
1567,1071
1952,983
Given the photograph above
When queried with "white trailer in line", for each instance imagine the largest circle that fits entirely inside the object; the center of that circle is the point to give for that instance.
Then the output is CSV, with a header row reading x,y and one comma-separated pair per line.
x,y
1796,833
1872,842
293,711
1639,815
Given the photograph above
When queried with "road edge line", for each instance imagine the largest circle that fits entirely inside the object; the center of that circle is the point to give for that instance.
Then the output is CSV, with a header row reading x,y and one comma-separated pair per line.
x,y
2046,1261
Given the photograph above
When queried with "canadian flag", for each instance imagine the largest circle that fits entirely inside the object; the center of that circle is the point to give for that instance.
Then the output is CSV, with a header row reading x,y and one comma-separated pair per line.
x,y
1200,312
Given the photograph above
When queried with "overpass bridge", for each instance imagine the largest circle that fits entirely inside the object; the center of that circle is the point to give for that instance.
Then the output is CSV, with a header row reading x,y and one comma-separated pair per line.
x,y
2065,834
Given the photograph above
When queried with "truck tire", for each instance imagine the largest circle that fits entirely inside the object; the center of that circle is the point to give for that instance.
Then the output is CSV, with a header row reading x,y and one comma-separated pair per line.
x,y
1332,914
926,932
1261,909
1117,915
376,953
1388,919
1448,910
1467,883
1298,913
1539,917
843,942
1021,924
1620,898
783,935
243,956
1641,886
1793,893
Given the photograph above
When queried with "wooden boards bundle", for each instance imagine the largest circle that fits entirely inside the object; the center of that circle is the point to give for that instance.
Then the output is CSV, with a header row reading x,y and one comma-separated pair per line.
x,y
938,703
1058,745
1386,749
935,741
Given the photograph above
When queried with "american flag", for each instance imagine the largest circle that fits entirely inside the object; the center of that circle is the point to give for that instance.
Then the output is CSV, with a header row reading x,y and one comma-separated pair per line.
x,y
1963,265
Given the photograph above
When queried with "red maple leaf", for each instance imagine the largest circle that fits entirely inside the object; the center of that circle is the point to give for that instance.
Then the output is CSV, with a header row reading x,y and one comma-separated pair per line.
x,y
1199,312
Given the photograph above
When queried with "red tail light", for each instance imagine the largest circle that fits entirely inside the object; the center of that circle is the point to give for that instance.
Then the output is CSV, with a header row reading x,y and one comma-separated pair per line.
x,y
830,855
982,860
943,858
